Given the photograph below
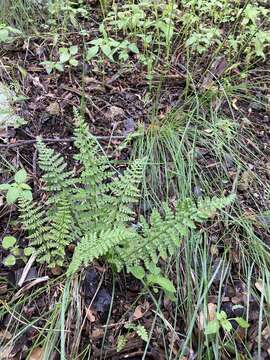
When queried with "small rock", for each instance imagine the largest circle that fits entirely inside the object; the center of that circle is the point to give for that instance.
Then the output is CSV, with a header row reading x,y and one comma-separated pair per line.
x,y
115,112
129,126
53,109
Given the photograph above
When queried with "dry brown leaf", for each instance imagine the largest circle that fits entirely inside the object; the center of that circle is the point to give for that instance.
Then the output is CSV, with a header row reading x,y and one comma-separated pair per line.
x,y
57,270
53,109
201,321
259,286
6,353
90,315
5,335
37,354
234,101
212,310
246,180
138,313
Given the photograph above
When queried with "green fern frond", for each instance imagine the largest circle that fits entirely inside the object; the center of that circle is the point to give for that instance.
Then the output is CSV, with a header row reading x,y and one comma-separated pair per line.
x,y
56,176
60,234
34,220
126,192
93,245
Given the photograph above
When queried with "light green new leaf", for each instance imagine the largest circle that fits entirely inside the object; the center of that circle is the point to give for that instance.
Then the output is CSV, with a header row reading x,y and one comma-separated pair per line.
x,y
133,47
106,49
212,327
163,282
138,272
73,62
4,187
227,326
73,50
21,176
28,251
8,242
27,195
64,55
4,35
13,194
242,322
10,260
91,52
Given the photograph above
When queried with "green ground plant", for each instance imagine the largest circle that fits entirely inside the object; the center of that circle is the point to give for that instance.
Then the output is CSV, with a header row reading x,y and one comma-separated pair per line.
x,y
67,57
99,212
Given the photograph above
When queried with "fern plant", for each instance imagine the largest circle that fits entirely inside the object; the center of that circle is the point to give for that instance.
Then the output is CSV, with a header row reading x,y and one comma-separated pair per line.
x,y
95,209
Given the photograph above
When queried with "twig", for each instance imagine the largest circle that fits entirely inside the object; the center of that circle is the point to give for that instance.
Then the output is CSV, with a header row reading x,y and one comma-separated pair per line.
x,y
26,269
29,286
55,140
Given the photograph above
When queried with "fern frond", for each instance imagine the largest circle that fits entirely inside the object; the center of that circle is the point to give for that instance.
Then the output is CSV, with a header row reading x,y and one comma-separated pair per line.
x,y
125,192
34,220
93,245
56,177
59,235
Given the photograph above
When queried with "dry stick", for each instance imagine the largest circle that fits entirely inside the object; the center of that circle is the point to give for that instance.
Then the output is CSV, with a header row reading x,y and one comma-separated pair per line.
x,y
26,269
55,140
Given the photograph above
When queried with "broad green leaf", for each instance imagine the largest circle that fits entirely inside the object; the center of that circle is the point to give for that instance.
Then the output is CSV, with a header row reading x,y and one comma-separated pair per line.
x,y
91,52
58,66
49,66
242,322
21,176
212,327
64,55
4,35
96,42
73,62
25,187
73,50
16,251
4,187
12,195
8,242
163,282
221,315
138,272
27,195
106,49
28,251
133,47
10,260
153,268
227,326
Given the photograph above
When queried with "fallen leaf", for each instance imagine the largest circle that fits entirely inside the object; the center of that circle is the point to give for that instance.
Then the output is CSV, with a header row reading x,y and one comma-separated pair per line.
x,y
90,315
245,180
259,286
212,310
115,112
138,313
5,335
57,270
37,354
234,101
53,109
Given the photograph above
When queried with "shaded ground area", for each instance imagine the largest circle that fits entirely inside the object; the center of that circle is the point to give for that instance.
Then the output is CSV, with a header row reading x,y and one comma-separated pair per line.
x,y
118,100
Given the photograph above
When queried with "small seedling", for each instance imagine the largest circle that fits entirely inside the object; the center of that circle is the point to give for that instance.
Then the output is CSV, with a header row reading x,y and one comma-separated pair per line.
x,y
7,33
9,244
17,189
67,56
223,322
109,47
154,279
